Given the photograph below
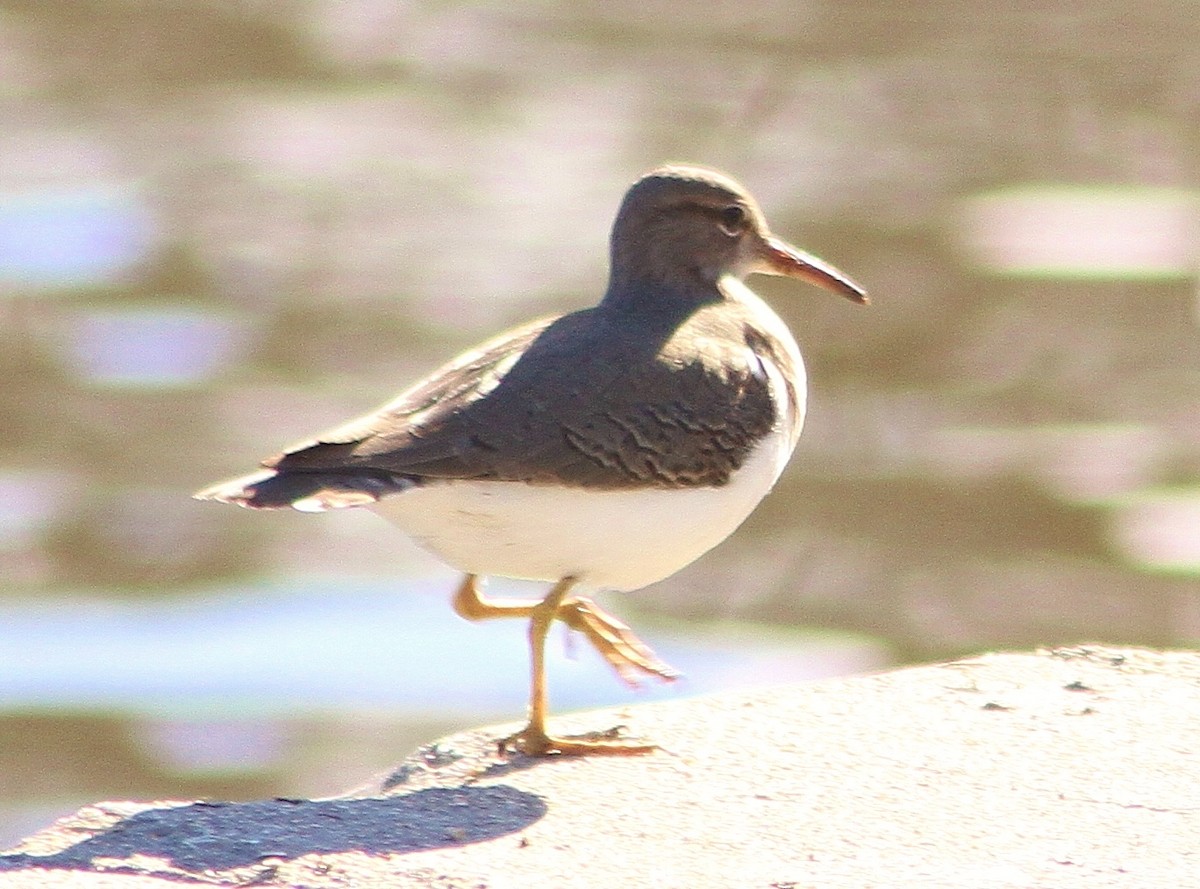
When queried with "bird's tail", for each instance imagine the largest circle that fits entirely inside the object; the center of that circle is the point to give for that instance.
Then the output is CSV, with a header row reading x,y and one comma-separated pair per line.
x,y
314,491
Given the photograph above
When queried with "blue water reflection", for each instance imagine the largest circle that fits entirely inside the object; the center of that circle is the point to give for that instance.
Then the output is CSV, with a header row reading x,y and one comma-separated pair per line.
x,y
303,647
71,237
152,346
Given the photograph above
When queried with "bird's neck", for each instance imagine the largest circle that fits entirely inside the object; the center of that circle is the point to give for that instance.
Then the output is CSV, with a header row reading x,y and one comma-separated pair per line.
x,y
646,293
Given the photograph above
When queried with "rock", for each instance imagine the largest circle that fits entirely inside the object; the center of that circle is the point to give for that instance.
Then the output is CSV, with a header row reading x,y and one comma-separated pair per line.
x,y
1072,767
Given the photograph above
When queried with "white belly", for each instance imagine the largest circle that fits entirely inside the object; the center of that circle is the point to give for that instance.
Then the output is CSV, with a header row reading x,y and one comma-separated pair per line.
x,y
620,540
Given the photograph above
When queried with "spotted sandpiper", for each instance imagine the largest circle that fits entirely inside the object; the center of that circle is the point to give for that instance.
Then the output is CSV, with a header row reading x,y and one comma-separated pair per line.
x,y
608,447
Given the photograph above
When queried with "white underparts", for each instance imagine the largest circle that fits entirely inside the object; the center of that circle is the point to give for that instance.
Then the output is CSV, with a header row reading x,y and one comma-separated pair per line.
x,y
619,540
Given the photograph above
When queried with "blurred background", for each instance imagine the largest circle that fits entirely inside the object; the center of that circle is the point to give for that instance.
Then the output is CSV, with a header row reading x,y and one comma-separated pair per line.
x,y
227,225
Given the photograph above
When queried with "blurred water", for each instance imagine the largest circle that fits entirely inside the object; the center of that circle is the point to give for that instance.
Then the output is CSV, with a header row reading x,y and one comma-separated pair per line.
x,y
160,346
1107,234
224,227
280,650
83,237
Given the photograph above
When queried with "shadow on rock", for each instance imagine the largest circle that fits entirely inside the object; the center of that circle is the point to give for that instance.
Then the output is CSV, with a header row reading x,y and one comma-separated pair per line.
x,y
220,836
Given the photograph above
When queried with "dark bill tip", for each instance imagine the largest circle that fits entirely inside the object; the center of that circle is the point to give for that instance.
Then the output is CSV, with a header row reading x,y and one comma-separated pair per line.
x,y
781,258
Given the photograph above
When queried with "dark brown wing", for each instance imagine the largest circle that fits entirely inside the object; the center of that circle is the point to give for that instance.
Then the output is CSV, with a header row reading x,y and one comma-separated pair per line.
x,y
585,404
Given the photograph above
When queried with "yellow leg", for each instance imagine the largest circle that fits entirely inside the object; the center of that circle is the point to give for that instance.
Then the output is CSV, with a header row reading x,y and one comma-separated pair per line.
x,y
534,736
625,652
534,740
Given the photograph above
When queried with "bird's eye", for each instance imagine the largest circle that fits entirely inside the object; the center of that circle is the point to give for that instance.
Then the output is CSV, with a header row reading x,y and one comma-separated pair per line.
x,y
733,220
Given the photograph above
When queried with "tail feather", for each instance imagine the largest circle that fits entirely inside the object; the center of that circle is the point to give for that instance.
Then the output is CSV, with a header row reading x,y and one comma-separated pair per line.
x,y
305,491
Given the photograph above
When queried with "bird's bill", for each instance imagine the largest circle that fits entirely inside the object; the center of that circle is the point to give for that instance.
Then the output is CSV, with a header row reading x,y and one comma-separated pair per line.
x,y
781,258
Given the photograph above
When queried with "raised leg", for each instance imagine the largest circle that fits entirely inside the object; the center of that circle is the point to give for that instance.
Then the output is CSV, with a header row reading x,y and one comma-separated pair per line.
x,y
628,655
534,740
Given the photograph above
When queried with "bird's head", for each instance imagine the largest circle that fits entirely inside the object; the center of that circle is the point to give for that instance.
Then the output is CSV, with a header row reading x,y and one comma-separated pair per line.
x,y
688,227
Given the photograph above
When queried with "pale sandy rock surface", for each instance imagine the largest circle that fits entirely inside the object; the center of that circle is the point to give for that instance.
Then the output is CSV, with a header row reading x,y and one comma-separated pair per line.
x,y
1071,768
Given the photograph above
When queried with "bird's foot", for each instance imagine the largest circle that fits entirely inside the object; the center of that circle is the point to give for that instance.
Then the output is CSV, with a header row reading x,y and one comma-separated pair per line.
x,y
629,656
533,741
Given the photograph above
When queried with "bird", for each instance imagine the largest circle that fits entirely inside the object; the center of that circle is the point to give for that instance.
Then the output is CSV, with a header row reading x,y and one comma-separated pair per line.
x,y
604,448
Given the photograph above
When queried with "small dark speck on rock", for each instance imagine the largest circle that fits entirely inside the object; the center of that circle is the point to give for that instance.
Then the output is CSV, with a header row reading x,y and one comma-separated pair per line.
x,y
992,705
435,756
402,775
1077,686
